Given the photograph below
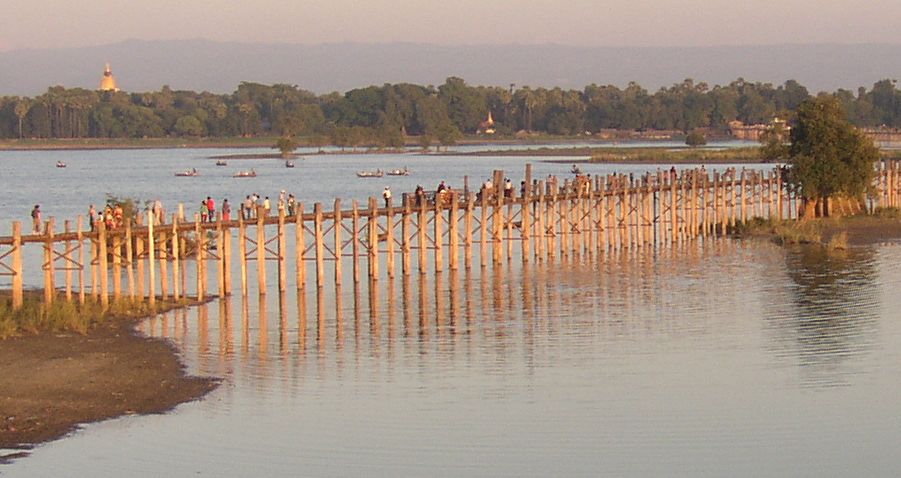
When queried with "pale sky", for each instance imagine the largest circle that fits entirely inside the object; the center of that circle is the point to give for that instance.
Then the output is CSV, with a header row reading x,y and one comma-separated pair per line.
x,y
62,23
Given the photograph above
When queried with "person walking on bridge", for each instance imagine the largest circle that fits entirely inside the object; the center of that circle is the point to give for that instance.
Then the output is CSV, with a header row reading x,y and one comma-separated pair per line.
x,y
36,219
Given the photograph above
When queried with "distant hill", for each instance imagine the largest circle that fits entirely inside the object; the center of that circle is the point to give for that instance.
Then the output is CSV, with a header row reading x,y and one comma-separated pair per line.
x,y
219,66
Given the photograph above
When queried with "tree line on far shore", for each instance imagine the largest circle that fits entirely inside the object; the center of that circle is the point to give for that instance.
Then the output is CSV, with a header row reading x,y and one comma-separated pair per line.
x,y
384,115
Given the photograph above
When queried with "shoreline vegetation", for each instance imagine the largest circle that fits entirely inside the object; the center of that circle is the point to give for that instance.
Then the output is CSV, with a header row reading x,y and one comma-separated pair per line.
x,y
67,365
833,233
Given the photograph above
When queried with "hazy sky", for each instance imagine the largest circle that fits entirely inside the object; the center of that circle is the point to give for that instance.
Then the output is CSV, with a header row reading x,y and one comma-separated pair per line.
x,y
60,23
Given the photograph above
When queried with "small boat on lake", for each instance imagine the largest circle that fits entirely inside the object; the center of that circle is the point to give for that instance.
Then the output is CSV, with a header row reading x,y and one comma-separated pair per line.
x,y
188,173
60,164
289,163
245,174
221,162
399,172
370,174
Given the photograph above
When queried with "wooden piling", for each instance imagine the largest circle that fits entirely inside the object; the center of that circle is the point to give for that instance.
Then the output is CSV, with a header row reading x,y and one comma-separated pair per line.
x,y
242,253
17,272
421,236
467,231
300,246
320,245
483,229
49,287
80,239
406,241
200,244
129,260
355,238
525,230
373,240
438,233
453,251
261,249
338,242
164,268
389,239
150,259
177,291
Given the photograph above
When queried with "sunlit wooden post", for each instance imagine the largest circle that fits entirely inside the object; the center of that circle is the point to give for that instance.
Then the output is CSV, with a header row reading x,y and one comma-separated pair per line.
x,y
300,245
177,291
540,236
373,240
438,233
453,236
777,195
139,257
200,243
338,242
283,251
226,252
79,236
674,208
261,250
18,280
355,238
48,262
525,210
117,266
483,228
467,231
164,260
151,257
320,245
421,235
129,259
405,245
389,238
220,262
242,253
550,213
508,225
67,229
497,214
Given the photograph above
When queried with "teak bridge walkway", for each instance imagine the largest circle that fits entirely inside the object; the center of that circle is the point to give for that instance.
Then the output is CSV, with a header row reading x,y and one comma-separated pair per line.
x,y
582,217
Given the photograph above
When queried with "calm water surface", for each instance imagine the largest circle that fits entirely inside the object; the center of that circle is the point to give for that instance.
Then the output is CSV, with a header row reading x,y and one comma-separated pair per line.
x,y
723,359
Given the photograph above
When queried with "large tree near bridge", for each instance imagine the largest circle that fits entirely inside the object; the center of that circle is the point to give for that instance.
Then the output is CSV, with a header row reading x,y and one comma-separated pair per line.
x,y
831,162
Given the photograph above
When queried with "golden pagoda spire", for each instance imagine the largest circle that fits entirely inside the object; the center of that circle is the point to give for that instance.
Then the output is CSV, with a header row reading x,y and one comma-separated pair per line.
x,y
108,82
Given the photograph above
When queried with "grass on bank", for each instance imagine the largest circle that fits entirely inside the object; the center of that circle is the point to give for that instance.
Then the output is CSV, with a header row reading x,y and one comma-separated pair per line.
x,y
63,316
668,155
831,233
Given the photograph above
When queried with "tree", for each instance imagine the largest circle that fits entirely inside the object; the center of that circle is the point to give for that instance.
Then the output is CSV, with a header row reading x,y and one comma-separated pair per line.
x,y
286,145
448,135
189,125
695,139
773,146
21,109
830,160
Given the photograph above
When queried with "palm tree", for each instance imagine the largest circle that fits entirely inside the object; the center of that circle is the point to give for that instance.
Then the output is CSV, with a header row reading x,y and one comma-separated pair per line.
x,y
21,110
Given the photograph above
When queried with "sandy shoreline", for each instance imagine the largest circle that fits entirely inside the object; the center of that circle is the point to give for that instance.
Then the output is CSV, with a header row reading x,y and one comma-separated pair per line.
x,y
52,383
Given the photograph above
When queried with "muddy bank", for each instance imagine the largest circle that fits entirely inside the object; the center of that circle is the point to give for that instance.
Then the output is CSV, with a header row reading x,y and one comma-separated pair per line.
x,y
51,383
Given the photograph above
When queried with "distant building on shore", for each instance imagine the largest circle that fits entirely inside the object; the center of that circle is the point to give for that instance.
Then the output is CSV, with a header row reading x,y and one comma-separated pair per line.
x,y
753,132
108,82
487,126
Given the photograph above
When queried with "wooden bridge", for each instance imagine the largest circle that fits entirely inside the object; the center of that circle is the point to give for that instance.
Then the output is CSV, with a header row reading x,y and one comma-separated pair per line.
x,y
584,217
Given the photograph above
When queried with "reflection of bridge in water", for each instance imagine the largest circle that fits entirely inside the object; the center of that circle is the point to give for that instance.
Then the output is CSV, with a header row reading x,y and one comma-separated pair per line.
x,y
495,310
580,219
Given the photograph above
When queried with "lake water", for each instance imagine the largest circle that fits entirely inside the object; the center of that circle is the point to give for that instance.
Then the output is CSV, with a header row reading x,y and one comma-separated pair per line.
x,y
728,358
